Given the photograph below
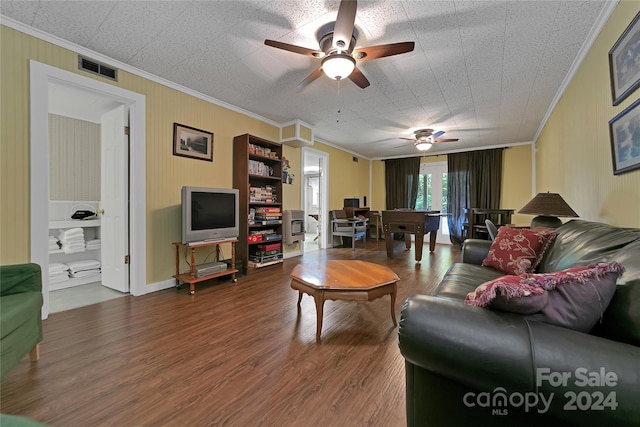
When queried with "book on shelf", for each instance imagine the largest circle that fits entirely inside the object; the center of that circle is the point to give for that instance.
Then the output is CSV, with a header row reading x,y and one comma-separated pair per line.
x,y
269,222
266,258
268,210
266,253
269,246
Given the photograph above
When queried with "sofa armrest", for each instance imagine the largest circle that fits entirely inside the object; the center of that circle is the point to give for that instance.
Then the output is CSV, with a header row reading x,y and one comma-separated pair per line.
x,y
19,278
474,251
480,348
483,350
591,364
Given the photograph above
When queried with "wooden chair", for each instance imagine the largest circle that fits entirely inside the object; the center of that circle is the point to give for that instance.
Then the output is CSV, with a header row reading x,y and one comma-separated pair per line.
x,y
353,228
375,223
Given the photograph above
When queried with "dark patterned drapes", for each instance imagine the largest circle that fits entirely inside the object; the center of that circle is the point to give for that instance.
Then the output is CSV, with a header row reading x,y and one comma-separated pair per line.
x,y
474,181
401,181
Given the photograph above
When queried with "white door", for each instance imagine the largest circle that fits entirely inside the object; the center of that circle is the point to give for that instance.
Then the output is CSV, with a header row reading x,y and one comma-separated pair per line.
x,y
114,184
432,195
316,163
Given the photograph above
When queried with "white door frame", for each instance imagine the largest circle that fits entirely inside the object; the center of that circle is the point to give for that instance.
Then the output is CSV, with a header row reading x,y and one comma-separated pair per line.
x,y
40,76
324,192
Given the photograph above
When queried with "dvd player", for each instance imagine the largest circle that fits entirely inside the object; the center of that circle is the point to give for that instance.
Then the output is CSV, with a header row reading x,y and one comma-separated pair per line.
x,y
210,268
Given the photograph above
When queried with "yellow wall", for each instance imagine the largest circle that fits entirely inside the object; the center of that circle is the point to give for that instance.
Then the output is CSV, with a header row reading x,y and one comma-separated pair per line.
x,y
574,153
516,181
378,187
346,178
165,173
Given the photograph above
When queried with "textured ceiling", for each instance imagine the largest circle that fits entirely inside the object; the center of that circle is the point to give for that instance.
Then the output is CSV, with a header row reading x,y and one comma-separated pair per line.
x,y
485,72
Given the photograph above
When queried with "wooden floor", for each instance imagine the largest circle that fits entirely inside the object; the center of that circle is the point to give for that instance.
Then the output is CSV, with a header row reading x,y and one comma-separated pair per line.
x,y
231,355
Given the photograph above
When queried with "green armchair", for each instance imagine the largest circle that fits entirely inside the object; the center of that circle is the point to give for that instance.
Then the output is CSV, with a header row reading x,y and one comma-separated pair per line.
x,y
20,314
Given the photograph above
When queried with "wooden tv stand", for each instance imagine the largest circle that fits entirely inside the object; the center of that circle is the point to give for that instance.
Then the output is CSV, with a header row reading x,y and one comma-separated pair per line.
x,y
190,277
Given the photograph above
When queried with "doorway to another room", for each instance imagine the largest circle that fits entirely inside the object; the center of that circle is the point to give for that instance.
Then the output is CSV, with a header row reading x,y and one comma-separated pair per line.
x,y
314,198
77,120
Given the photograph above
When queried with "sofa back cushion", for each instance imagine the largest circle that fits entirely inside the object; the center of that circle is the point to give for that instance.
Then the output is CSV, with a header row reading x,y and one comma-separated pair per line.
x,y
582,242
621,321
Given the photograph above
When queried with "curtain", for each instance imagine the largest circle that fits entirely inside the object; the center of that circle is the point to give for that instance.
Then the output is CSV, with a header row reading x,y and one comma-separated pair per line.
x,y
474,181
401,181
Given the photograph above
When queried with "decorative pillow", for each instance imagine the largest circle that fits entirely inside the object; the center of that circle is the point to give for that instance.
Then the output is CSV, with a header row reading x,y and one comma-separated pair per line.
x,y
575,298
518,250
529,304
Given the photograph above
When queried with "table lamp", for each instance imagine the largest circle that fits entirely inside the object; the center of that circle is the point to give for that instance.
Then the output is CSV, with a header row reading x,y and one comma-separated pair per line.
x,y
548,207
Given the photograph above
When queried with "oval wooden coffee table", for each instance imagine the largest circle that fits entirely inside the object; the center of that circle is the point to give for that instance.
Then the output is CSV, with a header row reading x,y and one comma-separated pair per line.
x,y
348,280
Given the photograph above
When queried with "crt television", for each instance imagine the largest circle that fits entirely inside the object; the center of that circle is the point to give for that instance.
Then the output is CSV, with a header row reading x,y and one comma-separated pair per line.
x,y
209,214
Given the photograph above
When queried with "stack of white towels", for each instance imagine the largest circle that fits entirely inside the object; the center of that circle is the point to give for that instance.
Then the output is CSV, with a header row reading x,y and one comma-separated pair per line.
x,y
58,272
93,244
54,244
72,240
84,268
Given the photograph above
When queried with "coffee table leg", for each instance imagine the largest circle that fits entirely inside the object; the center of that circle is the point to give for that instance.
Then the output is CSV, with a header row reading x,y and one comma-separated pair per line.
x,y
319,305
393,304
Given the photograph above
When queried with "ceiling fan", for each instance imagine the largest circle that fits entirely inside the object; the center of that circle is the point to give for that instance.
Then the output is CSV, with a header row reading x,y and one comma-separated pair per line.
x,y
425,138
338,52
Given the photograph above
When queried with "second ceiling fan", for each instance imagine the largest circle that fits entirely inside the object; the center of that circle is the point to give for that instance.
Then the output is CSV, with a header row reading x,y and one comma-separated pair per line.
x,y
425,138
338,52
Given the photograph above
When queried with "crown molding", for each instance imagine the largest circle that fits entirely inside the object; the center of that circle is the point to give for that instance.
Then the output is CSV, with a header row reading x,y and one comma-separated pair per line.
x,y
337,147
34,32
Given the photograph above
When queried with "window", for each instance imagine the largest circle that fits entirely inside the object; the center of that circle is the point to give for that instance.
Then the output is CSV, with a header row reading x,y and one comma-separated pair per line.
x,y
425,199
432,194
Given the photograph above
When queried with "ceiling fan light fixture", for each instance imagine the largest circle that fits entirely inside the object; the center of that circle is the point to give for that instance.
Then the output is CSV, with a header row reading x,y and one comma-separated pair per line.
x,y
338,66
423,145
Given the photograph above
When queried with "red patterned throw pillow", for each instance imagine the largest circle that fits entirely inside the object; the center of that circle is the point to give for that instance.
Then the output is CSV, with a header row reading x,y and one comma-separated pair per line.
x,y
518,250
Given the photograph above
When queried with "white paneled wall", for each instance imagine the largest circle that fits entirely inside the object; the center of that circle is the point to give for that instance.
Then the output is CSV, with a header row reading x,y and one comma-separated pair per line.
x,y
74,159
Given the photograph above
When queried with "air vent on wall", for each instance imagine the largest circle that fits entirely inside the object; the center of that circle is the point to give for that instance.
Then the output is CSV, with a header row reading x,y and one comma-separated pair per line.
x,y
96,67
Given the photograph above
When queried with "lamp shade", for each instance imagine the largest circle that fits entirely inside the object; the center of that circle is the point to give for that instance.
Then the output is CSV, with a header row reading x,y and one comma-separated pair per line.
x,y
549,206
338,66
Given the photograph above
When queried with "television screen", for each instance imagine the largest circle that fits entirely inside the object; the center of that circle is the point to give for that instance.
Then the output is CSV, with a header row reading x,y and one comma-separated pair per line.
x,y
212,210
209,214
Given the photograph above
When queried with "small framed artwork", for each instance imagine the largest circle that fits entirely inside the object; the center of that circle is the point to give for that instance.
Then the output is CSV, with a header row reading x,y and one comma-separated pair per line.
x,y
624,131
624,62
192,142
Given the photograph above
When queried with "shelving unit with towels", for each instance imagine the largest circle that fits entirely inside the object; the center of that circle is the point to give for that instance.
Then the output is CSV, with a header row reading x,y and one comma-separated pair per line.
x,y
60,222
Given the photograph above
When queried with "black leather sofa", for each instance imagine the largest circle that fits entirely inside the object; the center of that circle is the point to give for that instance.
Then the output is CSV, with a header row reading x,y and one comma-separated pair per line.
x,y
476,366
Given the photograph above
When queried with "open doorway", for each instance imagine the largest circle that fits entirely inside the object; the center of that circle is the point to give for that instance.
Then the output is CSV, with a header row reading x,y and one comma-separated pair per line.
x,y
314,198
130,237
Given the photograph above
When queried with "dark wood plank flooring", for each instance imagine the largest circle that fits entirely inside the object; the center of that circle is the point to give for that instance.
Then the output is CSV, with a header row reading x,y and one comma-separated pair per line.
x,y
231,355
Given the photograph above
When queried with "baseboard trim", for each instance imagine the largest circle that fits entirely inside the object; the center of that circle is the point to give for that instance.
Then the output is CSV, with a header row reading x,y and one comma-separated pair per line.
x,y
160,286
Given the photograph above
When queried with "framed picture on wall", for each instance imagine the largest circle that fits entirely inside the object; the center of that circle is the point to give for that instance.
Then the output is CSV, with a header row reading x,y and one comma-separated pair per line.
x,y
192,142
624,62
624,131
